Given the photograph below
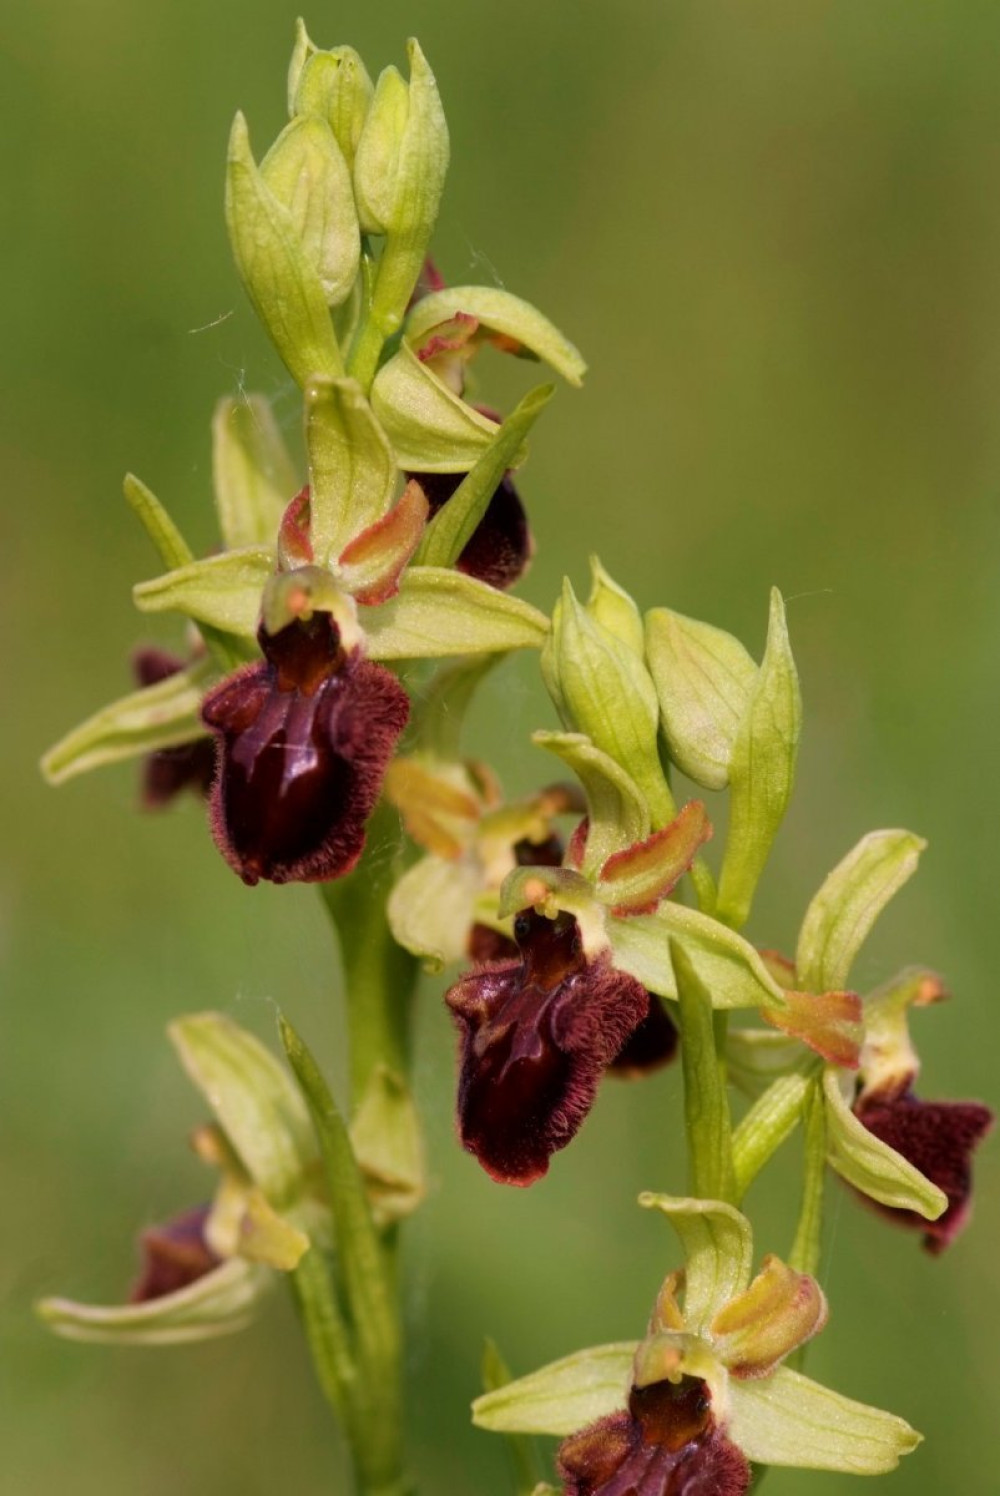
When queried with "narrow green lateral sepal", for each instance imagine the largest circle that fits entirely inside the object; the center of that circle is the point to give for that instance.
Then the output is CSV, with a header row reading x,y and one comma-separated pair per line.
x,y
218,1303
253,475
870,1164
160,716
280,278
727,965
563,1396
704,682
787,1419
848,904
503,313
718,1249
223,591
453,526
761,770
439,612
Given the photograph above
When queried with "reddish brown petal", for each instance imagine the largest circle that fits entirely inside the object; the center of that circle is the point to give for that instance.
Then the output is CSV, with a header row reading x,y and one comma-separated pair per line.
x,y
829,1023
303,741
938,1138
173,1256
500,547
535,1036
667,1444
650,1046
375,559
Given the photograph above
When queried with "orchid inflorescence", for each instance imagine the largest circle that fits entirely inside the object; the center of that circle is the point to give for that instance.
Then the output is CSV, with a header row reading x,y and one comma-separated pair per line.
x,y
334,642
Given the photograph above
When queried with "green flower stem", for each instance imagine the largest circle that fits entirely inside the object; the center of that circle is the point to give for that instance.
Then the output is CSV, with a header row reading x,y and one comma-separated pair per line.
x,y
804,1256
329,1343
379,976
771,1119
706,1104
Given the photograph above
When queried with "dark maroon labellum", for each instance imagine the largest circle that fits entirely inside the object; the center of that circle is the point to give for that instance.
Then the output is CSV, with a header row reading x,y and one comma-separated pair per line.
x,y
499,548
648,1047
666,1444
169,771
174,1255
938,1138
536,1034
303,741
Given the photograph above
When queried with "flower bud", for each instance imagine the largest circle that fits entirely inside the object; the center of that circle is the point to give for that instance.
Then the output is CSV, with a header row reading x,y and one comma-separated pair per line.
x,y
613,609
402,154
602,688
330,85
306,171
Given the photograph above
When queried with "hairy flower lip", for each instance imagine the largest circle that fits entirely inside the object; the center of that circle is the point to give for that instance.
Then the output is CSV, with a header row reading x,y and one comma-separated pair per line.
x,y
302,740
938,1138
535,1035
168,772
500,548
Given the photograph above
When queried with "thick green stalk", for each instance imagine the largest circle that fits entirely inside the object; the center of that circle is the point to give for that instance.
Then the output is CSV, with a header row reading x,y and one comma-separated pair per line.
x,y
706,1105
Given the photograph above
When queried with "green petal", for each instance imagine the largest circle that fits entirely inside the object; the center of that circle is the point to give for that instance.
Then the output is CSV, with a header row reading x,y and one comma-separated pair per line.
x,y
255,1101
503,313
438,612
563,1396
223,591
431,908
871,1165
160,716
452,527
704,680
787,1419
848,904
431,429
280,279
617,812
761,770
718,1246
218,1303
170,543
253,474
352,470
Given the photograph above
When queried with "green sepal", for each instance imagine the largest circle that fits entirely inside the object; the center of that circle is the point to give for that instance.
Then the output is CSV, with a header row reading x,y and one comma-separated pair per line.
x,y
432,430
871,1165
757,1057
502,313
218,1303
610,606
727,965
617,813
704,681
223,591
761,770
600,687
453,526
372,1317
386,1139
352,471
787,1419
171,546
257,1106
307,173
848,904
718,1248
281,280
253,475
431,908
330,85
706,1103
439,612
773,1117
563,1396
159,716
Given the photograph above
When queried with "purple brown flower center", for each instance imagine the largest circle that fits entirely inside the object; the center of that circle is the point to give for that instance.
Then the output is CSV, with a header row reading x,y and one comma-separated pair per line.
x,y
666,1444
174,1255
303,743
536,1033
500,546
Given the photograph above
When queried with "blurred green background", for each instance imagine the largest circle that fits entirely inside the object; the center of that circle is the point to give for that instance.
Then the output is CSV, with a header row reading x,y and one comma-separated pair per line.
x,y
775,232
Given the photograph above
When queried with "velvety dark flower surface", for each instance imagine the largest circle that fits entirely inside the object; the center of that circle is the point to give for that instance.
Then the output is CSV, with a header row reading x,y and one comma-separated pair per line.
x,y
666,1444
303,740
173,1256
169,771
536,1034
938,1138
652,1044
500,546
